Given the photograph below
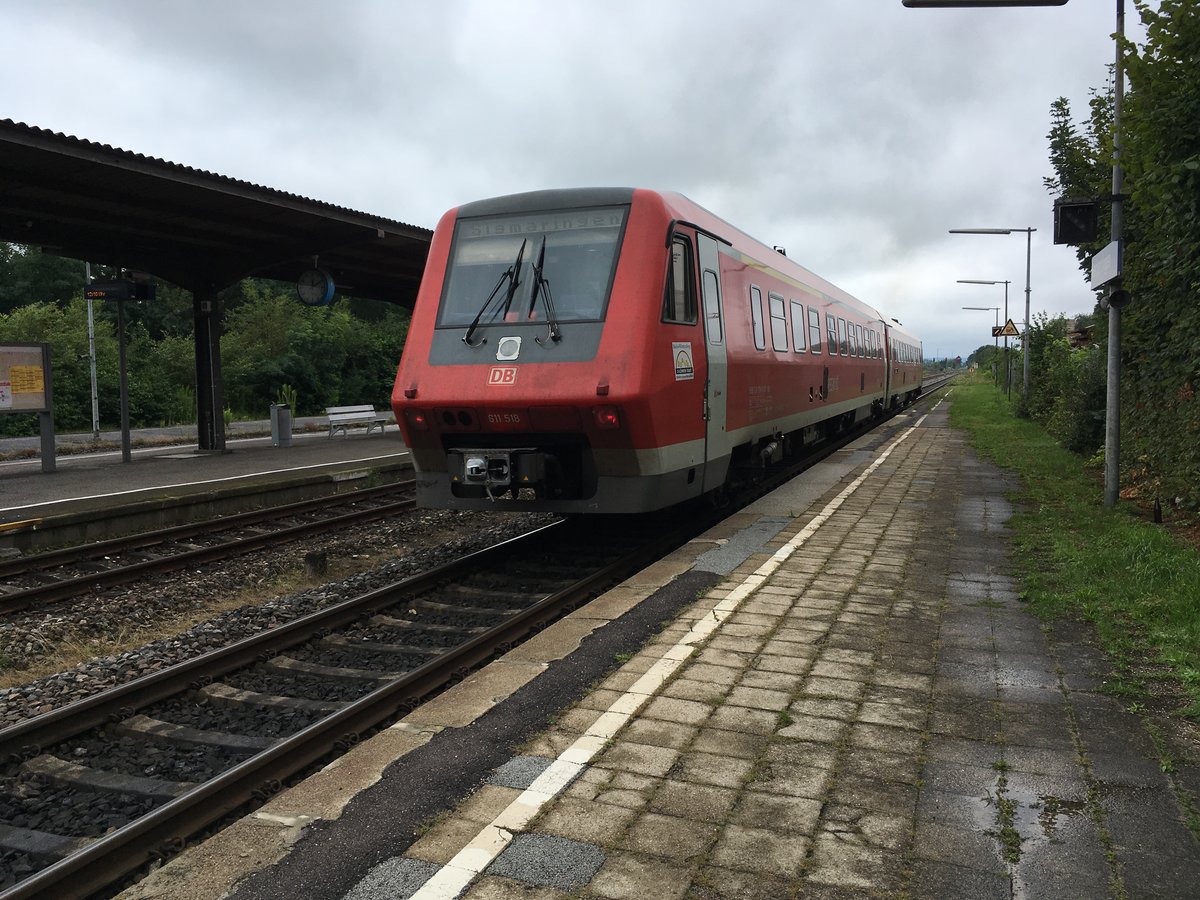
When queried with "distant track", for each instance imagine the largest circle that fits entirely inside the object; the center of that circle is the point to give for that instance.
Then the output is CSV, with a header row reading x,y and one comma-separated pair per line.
x,y
73,571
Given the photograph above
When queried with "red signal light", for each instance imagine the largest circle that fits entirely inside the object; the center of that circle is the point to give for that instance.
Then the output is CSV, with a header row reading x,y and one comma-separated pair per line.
x,y
606,418
416,419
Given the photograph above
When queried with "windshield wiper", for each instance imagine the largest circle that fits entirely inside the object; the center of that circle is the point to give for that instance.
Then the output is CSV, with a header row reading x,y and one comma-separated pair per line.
x,y
540,284
513,274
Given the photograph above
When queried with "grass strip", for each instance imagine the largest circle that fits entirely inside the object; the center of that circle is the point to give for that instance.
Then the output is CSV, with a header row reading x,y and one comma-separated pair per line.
x,y
1138,583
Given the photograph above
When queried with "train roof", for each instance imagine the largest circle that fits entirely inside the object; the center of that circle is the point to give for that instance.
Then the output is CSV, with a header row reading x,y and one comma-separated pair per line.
x,y
680,207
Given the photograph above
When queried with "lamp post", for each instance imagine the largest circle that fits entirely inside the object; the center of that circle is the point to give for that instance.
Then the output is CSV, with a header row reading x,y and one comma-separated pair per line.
x,y
1117,297
995,339
1028,256
1007,369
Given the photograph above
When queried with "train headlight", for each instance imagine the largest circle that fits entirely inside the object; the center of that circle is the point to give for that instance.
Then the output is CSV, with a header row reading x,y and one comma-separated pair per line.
x,y
606,418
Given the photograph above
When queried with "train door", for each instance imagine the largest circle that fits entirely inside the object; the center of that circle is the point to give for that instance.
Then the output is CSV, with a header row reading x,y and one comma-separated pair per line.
x,y
889,352
716,450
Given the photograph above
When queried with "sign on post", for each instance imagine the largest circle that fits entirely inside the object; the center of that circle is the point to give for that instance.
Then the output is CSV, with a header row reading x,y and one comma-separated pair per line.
x,y
26,387
23,369
1106,264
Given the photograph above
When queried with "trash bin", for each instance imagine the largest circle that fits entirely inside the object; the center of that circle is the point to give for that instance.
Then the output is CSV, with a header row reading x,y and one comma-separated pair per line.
x,y
281,425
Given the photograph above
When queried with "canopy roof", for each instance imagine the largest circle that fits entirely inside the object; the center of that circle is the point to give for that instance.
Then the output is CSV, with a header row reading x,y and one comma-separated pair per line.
x,y
193,228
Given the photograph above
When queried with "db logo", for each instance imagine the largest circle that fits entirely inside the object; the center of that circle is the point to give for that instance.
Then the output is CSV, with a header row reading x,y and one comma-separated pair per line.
x,y
502,375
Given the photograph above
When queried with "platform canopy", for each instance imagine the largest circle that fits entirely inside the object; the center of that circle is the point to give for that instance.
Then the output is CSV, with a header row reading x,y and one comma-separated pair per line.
x,y
196,229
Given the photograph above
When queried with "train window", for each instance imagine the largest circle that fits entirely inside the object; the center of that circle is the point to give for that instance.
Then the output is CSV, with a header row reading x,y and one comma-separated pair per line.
x,y
712,307
778,322
756,318
575,250
858,332
831,327
814,330
843,340
797,327
679,302
853,339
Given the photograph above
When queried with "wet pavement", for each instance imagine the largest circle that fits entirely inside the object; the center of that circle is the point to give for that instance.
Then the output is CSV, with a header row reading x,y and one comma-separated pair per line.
x,y
861,706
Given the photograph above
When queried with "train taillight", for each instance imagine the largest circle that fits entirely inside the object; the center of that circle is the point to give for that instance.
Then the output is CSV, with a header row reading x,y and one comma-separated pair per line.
x,y
606,418
416,419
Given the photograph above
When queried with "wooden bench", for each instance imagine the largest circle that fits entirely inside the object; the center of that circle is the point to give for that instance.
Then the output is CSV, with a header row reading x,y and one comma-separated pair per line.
x,y
341,416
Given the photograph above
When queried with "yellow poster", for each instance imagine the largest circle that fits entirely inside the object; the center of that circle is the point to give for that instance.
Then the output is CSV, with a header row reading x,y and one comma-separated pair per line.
x,y
26,379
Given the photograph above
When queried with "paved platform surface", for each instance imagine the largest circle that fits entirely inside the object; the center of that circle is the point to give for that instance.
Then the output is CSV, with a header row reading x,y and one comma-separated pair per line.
x,y
850,701
102,480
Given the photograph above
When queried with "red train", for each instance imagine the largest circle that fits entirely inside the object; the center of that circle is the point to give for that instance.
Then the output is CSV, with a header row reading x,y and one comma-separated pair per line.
x,y
610,350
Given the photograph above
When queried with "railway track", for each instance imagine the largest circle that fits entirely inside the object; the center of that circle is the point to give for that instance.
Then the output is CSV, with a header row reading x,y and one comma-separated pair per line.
x,y
71,572
228,728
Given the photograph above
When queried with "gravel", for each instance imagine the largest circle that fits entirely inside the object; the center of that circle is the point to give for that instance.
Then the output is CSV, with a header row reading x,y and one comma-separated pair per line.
x,y
404,546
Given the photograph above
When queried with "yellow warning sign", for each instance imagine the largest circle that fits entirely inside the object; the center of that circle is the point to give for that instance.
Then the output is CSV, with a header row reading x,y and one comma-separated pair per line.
x,y
1009,330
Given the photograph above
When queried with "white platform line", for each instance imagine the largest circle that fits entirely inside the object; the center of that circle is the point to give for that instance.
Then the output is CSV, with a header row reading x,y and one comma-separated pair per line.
x,y
469,863
185,484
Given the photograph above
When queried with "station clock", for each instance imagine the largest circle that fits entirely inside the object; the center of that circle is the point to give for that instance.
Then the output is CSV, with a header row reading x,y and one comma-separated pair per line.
x,y
315,287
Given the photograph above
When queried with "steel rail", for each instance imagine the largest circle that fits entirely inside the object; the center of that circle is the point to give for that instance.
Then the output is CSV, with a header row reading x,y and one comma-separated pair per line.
x,y
121,852
30,736
15,601
66,555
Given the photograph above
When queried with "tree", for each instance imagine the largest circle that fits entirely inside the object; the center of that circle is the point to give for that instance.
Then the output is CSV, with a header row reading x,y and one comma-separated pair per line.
x,y
329,356
27,275
64,328
1161,156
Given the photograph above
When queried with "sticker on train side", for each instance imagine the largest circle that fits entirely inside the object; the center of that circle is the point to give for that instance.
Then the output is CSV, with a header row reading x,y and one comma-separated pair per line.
x,y
685,370
502,375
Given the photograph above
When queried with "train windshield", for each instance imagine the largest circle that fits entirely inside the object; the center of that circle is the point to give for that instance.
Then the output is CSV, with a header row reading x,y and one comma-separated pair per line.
x,y
491,276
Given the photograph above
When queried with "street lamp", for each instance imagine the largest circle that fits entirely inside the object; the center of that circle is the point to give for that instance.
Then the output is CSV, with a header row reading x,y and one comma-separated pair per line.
x,y
1112,418
1025,333
1007,369
995,337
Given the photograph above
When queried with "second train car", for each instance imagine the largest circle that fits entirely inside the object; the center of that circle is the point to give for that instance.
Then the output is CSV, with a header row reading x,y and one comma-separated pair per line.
x,y
620,350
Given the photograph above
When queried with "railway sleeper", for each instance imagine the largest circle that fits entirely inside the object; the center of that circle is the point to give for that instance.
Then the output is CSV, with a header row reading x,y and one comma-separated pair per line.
x,y
288,666
224,695
148,728
393,622
344,643
40,844
72,775
518,598
438,606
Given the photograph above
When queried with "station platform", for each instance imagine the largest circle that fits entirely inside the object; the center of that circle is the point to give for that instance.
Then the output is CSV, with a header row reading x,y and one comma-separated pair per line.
x,y
91,488
835,693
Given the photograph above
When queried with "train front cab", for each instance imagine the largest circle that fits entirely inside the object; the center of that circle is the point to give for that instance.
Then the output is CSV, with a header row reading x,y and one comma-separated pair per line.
x,y
587,399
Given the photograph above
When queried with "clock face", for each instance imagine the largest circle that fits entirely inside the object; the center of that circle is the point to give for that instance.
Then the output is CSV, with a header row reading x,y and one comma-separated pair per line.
x,y
315,287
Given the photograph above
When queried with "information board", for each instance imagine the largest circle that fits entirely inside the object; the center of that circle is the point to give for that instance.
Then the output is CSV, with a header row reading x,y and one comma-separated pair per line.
x,y
23,370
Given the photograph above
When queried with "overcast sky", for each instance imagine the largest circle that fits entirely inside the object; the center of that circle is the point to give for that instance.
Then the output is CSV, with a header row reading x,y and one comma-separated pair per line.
x,y
854,133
